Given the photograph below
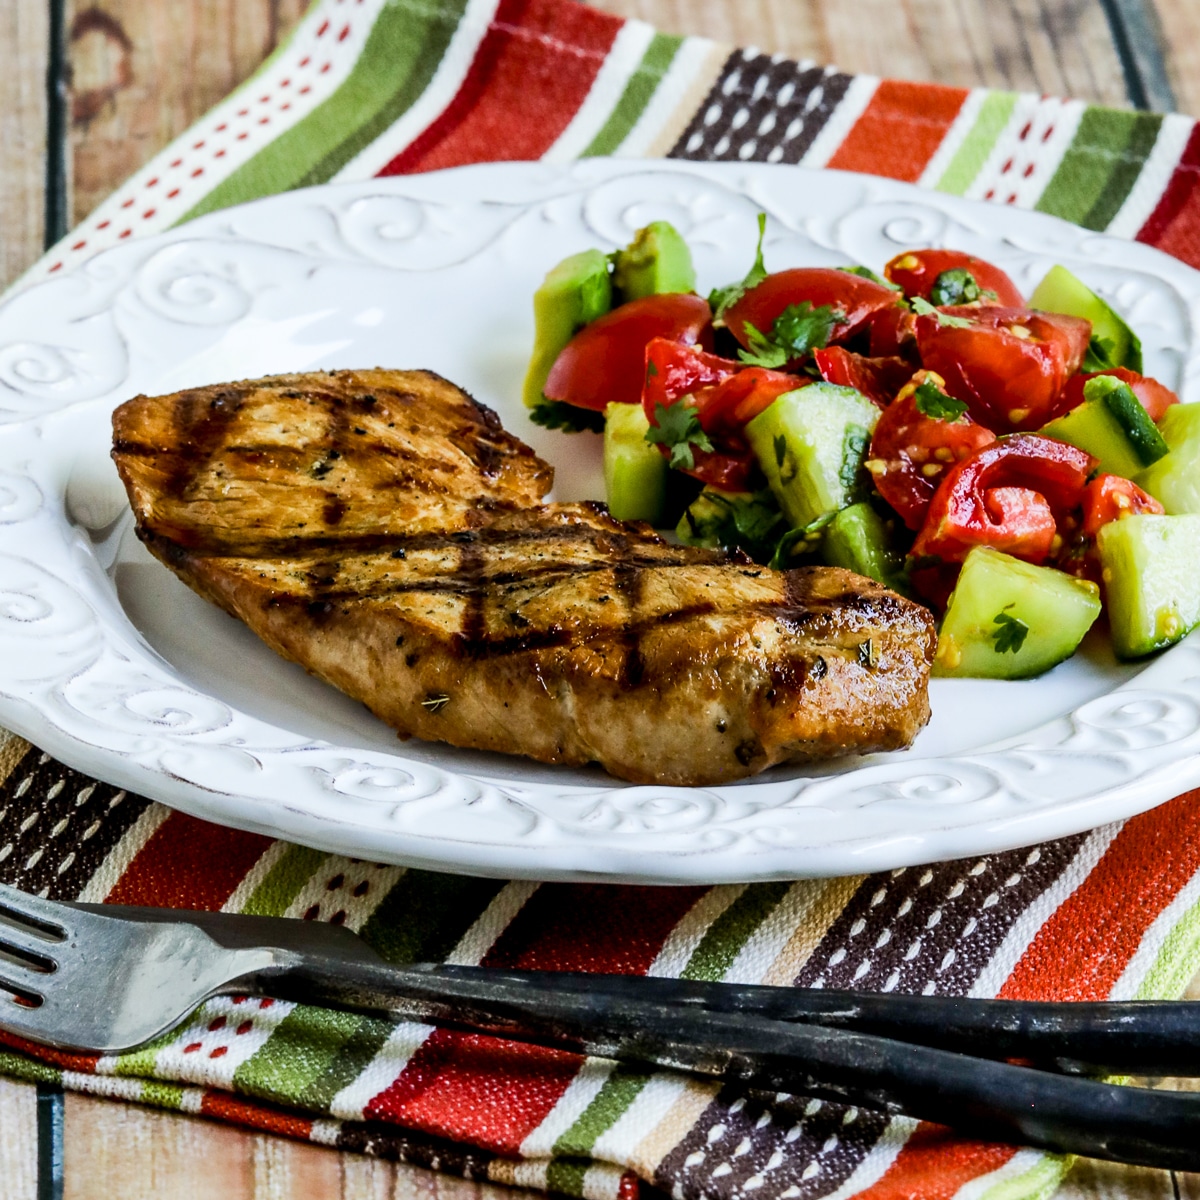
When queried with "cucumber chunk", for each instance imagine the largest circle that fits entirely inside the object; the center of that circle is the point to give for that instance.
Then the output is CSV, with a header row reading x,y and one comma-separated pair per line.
x,y
857,539
656,261
1150,580
1111,425
635,473
1174,481
574,293
1008,619
1062,292
811,444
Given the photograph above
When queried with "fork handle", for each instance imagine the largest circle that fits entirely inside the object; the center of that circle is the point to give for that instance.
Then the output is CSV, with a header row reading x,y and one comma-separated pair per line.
x,y
1141,1037
992,1100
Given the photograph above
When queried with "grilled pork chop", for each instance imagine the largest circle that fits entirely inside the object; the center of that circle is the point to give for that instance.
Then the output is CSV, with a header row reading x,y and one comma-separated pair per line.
x,y
381,529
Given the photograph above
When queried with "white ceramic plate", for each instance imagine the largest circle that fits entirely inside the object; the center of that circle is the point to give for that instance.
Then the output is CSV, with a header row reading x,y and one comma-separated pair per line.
x,y
110,663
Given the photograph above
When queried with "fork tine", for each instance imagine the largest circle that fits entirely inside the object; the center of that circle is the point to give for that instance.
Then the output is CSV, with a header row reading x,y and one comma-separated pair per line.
x,y
12,994
34,950
36,914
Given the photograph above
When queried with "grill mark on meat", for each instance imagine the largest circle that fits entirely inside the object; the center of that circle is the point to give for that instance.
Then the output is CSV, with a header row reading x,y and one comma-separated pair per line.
x,y
627,581
205,418
302,544
471,567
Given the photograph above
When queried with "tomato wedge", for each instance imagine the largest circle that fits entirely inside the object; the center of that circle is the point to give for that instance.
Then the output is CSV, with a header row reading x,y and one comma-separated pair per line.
x,y
1010,365
1156,397
727,406
1111,497
894,333
911,452
674,370
1008,495
877,378
918,273
606,360
729,472
856,299
726,394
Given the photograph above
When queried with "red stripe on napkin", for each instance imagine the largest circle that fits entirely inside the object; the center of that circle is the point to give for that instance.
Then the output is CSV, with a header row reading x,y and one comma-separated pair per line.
x,y
1174,226
1082,950
934,1164
484,1091
68,1061
188,864
518,69
890,138
585,927
254,1114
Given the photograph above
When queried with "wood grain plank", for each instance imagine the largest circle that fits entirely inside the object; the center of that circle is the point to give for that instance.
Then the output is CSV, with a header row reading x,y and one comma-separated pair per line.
x,y
115,1149
143,71
18,1140
1062,47
25,24
1179,22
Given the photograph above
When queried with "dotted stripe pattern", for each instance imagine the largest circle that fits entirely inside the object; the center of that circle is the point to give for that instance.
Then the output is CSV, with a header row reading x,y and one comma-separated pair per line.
x,y
57,826
762,109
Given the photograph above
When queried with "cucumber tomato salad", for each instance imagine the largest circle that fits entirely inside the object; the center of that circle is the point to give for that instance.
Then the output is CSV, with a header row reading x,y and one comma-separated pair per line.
x,y
1004,461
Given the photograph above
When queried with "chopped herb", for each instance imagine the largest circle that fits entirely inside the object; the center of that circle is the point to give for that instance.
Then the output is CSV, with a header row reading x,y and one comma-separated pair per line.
x,y
554,414
435,704
867,656
677,426
933,402
1099,356
720,300
749,521
924,309
854,450
797,330
955,286
651,370
1011,634
867,273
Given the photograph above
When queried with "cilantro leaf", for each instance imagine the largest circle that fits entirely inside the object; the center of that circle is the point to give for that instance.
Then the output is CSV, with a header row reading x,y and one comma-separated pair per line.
x,y
555,414
955,286
797,330
1099,355
867,273
801,327
737,521
763,351
855,441
923,308
721,299
677,426
1011,634
935,403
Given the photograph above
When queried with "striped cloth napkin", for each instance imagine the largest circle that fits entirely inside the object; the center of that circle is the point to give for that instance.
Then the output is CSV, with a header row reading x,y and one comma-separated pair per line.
x,y
370,87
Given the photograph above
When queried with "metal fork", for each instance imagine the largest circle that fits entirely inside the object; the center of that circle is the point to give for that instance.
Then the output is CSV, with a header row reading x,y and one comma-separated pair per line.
x,y
107,979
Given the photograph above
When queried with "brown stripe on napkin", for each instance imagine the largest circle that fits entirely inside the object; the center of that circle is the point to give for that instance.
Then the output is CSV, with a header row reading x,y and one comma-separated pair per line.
x,y
762,110
57,826
933,928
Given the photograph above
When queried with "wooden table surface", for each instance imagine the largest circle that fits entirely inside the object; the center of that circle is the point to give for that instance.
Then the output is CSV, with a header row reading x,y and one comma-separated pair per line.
x,y
96,88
